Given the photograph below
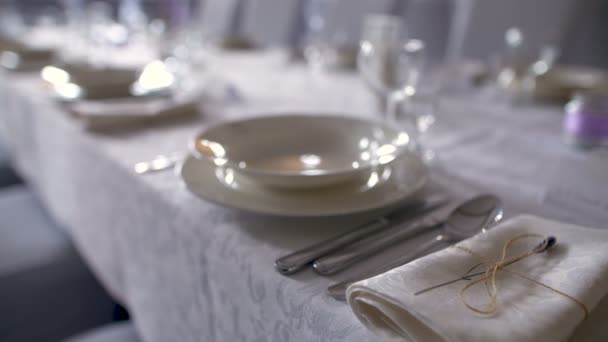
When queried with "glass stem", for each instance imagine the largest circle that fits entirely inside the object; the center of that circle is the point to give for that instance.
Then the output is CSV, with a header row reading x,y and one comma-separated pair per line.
x,y
393,100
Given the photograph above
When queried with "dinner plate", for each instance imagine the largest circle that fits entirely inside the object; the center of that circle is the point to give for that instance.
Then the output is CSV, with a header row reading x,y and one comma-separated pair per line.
x,y
386,186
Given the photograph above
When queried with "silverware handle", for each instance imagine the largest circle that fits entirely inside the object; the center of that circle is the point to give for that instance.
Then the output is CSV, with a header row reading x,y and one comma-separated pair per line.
x,y
338,290
159,163
340,260
293,262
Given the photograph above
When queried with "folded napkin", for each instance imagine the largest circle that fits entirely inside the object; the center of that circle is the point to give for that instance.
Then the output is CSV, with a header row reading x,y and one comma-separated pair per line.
x,y
101,114
577,266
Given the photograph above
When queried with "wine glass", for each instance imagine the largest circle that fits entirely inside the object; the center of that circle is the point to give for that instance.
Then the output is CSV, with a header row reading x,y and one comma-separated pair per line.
x,y
416,111
395,71
520,68
318,51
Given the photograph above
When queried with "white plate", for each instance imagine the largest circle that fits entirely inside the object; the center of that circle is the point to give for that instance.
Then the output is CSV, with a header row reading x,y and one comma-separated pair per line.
x,y
388,186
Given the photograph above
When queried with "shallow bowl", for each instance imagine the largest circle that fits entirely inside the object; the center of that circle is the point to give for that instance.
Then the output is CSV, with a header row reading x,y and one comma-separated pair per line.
x,y
298,151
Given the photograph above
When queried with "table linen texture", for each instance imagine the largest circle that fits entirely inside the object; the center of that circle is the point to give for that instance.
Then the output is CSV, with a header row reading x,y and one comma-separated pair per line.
x,y
577,265
189,270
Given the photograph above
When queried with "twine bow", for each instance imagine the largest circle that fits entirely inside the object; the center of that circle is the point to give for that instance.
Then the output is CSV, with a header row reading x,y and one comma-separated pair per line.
x,y
489,275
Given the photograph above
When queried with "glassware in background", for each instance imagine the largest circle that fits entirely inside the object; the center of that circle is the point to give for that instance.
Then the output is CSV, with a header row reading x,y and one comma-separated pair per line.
x,y
29,36
517,70
397,72
431,22
326,44
510,63
416,113
547,59
379,54
181,37
156,43
102,39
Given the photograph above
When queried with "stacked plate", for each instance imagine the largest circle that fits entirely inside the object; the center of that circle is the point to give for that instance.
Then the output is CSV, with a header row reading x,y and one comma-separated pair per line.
x,y
559,83
110,95
562,82
303,165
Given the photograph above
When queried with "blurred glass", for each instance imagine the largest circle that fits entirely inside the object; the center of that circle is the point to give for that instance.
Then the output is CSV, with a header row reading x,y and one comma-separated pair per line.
x,y
416,113
327,44
517,69
29,36
398,72
431,21
134,34
391,67
123,48
379,50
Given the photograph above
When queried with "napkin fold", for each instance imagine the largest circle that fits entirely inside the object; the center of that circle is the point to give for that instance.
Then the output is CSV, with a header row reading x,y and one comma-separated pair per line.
x,y
577,265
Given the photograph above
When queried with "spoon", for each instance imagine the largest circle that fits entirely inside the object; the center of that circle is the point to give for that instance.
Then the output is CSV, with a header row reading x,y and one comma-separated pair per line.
x,y
470,218
341,259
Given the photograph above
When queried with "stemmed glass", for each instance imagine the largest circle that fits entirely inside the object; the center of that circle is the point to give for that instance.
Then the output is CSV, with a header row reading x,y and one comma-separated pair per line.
x,y
395,71
518,70
159,39
328,41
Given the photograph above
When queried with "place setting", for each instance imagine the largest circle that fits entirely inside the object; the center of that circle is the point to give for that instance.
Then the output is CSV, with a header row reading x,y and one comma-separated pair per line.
x,y
474,275
334,170
522,74
464,261
480,277
119,73
138,95
303,164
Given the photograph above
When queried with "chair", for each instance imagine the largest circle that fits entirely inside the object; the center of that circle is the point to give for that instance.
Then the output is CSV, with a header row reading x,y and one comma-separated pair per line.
x,y
264,22
47,293
116,332
7,174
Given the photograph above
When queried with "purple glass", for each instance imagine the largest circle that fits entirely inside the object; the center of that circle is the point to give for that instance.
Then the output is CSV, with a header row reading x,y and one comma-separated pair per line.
x,y
587,118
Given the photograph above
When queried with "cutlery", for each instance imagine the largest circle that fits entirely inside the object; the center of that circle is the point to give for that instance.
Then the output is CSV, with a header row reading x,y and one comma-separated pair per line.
x,y
470,218
295,261
160,163
341,259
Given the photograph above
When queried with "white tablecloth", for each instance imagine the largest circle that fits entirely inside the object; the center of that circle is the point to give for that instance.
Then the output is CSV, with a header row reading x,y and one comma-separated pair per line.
x,y
189,270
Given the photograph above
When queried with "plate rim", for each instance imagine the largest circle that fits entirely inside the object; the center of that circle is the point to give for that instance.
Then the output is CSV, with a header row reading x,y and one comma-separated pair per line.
x,y
421,183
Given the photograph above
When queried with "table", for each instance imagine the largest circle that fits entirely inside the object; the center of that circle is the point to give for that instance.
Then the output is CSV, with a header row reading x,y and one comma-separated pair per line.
x,y
189,270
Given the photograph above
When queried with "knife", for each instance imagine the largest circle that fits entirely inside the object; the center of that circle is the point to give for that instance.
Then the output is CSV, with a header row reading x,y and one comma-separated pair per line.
x,y
295,261
341,259
338,290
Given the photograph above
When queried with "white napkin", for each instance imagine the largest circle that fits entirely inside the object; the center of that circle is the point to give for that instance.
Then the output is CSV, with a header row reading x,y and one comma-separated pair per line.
x,y
576,265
